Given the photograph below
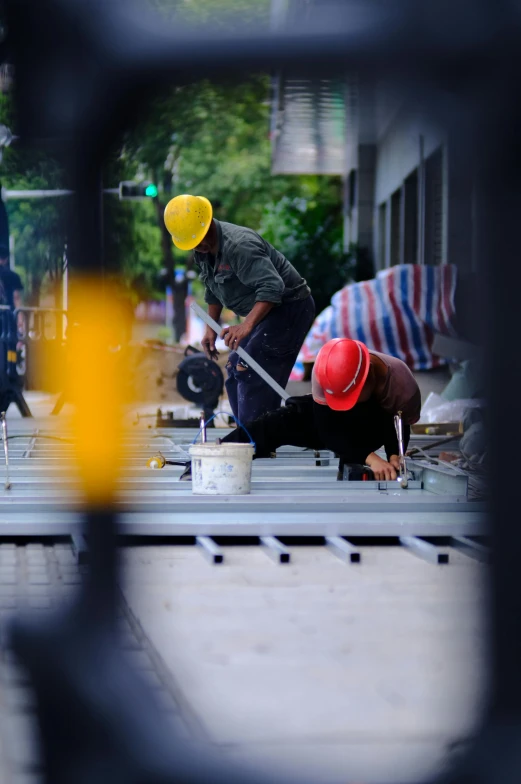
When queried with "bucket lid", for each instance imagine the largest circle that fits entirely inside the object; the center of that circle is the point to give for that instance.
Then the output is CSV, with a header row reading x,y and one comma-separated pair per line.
x,y
219,449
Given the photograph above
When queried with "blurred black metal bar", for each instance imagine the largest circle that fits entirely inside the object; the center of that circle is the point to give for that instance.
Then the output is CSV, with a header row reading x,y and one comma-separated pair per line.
x,y
93,55
499,207
80,69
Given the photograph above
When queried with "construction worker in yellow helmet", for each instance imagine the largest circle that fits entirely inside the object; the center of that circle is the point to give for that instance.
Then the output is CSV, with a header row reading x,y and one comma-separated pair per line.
x,y
244,273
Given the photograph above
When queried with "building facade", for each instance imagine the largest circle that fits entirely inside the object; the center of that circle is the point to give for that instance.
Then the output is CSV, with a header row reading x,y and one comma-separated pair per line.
x,y
408,199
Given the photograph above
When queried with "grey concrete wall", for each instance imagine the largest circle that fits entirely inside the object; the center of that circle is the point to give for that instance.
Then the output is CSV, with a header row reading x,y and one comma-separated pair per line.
x,y
399,149
383,133
460,209
365,194
399,127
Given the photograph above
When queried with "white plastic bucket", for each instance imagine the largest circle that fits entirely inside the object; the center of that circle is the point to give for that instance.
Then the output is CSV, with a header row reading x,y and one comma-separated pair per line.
x,y
221,469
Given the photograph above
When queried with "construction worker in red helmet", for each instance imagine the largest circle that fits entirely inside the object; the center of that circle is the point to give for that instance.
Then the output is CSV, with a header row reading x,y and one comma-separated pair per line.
x,y
355,395
243,272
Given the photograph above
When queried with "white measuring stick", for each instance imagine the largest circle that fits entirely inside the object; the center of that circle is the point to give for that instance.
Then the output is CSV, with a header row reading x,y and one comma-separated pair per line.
x,y
242,353
6,450
403,464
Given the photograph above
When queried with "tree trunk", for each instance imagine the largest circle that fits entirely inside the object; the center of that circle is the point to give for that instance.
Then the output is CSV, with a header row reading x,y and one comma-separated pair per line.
x,y
34,291
56,280
180,289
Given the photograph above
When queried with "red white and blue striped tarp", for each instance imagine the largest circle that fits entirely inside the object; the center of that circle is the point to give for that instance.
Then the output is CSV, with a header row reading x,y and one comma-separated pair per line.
x,y
396,313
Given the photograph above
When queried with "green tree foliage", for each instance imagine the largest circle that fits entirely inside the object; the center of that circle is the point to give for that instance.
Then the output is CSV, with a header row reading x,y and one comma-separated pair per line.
x,y
220,14
213,139
308,230
39,227
205,138
132,238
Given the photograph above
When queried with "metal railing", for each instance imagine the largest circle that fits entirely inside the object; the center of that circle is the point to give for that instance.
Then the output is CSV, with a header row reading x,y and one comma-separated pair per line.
x,y
25,333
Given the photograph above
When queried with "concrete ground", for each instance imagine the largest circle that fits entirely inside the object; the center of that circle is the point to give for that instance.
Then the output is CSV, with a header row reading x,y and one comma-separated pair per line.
x,y
315,671
319,670
37,579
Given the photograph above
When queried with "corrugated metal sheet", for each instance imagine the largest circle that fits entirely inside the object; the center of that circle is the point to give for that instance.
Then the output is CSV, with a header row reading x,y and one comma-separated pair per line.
x,y
308,130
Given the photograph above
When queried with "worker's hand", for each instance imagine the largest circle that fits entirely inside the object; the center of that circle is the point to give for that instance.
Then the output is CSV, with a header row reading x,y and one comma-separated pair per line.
x,y
208,344
381,468
395,462
233,336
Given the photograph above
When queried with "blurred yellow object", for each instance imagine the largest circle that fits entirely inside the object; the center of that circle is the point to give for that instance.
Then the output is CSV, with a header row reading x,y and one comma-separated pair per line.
x,y
94,380
188,219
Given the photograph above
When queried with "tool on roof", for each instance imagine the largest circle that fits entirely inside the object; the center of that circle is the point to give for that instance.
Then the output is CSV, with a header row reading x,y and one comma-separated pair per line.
x,y
160,461
6,450
402,479
355,472
200,380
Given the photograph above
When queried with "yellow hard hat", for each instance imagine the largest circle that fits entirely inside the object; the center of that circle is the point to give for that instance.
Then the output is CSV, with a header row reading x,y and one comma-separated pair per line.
x,y
188,219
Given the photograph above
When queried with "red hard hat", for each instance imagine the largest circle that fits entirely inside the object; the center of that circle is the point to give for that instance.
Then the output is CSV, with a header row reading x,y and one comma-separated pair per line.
x,y
341,369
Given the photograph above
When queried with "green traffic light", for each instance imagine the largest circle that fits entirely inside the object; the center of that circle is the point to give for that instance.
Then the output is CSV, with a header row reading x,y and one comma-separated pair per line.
x,y
151,190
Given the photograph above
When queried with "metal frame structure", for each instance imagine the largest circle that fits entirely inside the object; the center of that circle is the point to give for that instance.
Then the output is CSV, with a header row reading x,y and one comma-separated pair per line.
x,y
295,494
81,70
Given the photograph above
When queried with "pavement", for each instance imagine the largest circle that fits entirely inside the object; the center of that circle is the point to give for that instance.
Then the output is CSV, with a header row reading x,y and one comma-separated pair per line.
x,y
321,670
316,671
36,581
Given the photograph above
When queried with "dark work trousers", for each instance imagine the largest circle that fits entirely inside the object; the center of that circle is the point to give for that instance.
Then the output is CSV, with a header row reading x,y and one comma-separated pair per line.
x,y
352,435
274,344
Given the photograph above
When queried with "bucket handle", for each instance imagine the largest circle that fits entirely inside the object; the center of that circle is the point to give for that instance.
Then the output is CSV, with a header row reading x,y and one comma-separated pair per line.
x,y
226,413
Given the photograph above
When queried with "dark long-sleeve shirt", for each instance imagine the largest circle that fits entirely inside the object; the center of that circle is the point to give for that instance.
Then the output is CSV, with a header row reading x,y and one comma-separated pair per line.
x,y
354,434
246,270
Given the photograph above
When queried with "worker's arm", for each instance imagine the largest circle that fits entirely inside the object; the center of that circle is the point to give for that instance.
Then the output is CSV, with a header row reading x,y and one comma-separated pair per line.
x,y
208,341
381,468
388,469
17,298
234,335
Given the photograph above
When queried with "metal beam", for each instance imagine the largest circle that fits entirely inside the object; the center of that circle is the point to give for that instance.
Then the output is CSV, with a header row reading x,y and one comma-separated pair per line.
x,y
428,552
290,496
472,549
212,551
270,507
80,548
252,363
276,550
64,523
343,549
